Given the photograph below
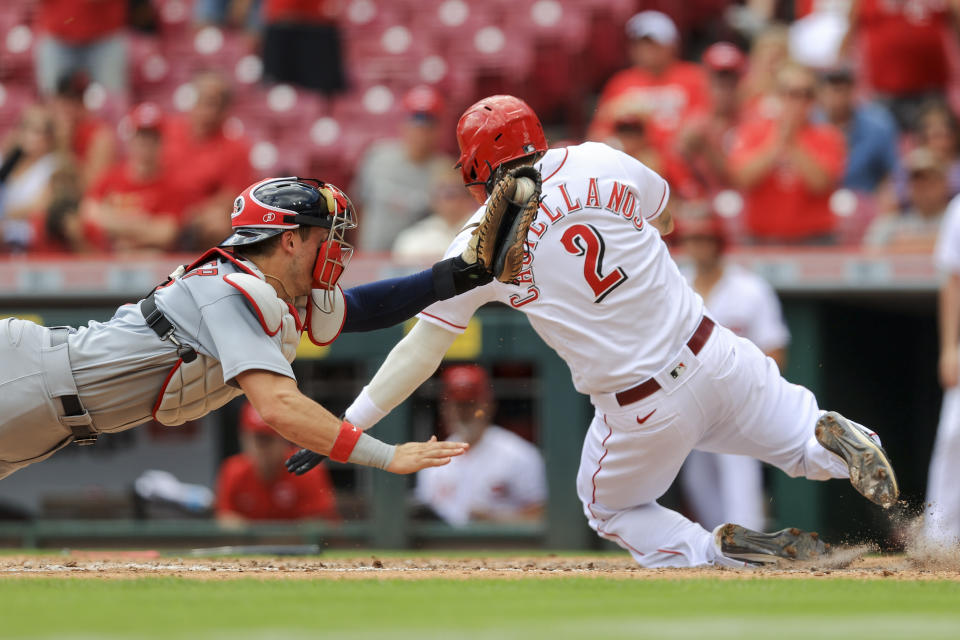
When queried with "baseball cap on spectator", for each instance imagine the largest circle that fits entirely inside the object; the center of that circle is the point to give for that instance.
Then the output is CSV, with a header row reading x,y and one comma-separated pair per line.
x,y
723,57
423,103
251,422
146,116
922,160
466,383
654,25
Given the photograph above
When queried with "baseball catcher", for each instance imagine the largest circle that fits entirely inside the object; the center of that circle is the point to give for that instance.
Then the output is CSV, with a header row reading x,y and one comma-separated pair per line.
x,y
229,324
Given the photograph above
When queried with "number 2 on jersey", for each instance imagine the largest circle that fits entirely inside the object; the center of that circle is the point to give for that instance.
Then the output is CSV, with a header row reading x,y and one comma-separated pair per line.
x,y
584,240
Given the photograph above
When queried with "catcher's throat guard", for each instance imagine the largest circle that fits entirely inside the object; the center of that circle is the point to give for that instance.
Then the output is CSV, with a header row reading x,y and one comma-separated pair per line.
x,y
335,253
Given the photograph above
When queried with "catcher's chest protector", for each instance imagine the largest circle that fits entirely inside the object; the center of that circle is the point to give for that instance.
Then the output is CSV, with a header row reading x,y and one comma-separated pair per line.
x,y
194,389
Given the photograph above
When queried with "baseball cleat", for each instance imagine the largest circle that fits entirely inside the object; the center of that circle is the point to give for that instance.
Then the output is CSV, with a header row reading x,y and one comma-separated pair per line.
x,y
758,548
870,470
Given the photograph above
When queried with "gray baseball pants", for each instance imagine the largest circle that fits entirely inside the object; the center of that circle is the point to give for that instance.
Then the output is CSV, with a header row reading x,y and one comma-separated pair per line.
x,y
33,375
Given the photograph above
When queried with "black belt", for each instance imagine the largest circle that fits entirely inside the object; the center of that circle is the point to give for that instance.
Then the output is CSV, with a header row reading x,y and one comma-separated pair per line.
x,y
649,387
83,434
164,328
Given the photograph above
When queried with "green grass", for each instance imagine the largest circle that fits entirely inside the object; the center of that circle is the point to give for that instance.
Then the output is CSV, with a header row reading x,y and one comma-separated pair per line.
x,y
175,608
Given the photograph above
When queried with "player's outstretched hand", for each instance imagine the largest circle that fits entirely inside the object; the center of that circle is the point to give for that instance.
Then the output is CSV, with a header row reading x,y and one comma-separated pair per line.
x,y
302,461
413,456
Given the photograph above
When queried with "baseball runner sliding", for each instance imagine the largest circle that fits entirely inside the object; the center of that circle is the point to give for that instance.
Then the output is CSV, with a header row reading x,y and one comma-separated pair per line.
x,y
600,287
229,323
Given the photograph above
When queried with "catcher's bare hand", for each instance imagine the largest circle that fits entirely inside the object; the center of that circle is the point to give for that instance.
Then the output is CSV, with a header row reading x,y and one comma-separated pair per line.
x,y
413,456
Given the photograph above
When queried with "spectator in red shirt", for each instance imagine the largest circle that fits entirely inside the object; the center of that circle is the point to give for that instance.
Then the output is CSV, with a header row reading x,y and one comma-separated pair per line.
x,y
255,485
207,162
631,133
658,83
81,34
787,167
705,139
89,140
135,205
904,50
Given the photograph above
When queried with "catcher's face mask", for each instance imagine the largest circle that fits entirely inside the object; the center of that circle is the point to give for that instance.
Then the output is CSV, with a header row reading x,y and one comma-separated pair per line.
x,y
335,252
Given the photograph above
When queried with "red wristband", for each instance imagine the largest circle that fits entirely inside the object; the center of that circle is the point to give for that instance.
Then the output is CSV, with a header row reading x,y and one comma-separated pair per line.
x,y
345,442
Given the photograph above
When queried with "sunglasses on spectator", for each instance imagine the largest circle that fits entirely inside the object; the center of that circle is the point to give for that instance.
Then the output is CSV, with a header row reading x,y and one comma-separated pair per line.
x,y
630,127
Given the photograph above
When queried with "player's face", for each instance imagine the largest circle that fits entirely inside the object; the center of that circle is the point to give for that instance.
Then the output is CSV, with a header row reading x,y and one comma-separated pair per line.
x,y
305,257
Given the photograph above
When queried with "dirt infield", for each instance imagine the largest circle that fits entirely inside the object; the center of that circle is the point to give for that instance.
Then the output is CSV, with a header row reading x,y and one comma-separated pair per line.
x,y
851,564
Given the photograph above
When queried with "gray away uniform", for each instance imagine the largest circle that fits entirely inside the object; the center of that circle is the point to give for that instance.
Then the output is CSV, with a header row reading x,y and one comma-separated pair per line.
x,y
118,368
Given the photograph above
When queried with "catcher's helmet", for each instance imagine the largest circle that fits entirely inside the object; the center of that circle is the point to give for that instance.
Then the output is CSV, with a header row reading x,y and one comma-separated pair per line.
x,y
493,131
275,205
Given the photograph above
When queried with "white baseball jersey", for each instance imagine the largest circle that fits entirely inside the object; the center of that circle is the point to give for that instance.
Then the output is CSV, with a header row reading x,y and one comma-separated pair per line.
x,y
942,522
500,475
599,285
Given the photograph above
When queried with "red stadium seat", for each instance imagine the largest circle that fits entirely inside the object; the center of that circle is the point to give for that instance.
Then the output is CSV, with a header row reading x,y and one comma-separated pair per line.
x,y
16,52
14,97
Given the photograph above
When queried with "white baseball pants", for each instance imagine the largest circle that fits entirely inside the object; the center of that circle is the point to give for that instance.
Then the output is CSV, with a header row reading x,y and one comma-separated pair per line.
x,y
721,488
730,398
942,522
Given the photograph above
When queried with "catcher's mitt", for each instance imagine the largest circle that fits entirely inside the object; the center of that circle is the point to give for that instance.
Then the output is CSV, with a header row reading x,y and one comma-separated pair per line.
x,y
499,238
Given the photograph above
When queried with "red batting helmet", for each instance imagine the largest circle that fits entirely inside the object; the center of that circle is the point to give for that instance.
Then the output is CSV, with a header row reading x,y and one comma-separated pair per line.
x,y
493,131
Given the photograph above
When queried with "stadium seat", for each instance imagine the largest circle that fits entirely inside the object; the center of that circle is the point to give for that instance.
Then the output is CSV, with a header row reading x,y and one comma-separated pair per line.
x,y
14,97
16,52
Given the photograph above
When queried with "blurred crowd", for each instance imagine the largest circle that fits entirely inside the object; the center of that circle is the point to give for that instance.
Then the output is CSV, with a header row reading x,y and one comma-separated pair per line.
x,y
130,126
